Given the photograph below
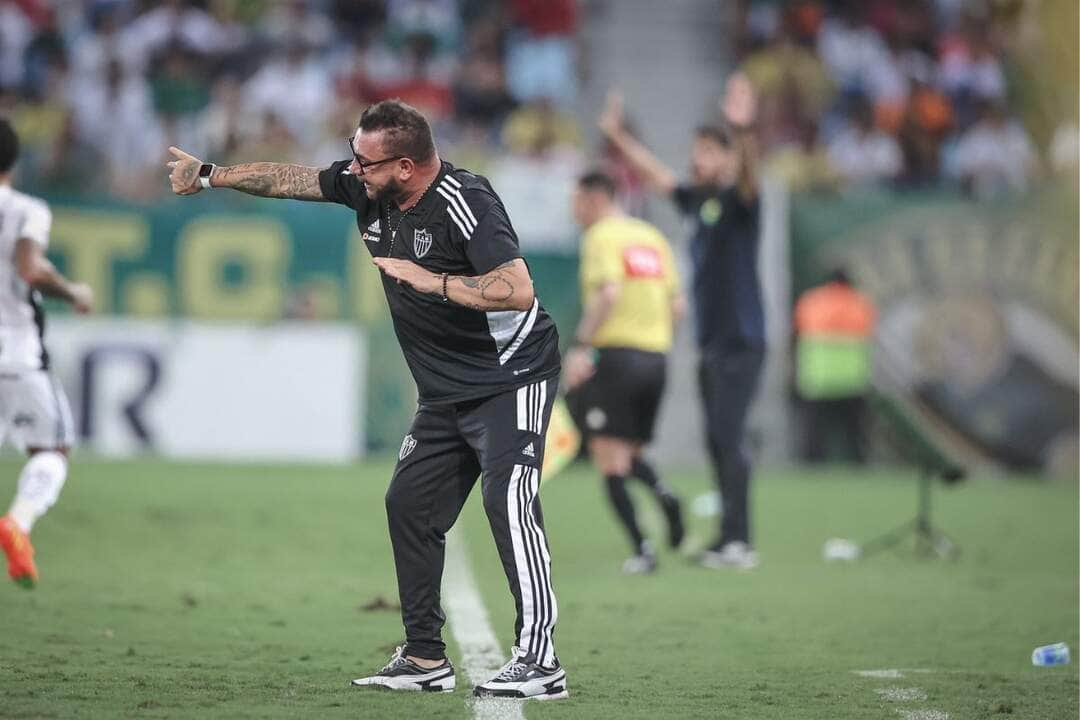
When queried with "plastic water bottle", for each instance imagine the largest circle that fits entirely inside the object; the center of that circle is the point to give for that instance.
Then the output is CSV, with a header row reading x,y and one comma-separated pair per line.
x,y
1056,654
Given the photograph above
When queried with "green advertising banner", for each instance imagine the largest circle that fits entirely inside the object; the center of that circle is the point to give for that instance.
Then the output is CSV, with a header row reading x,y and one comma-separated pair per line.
x,y
978,306
228,257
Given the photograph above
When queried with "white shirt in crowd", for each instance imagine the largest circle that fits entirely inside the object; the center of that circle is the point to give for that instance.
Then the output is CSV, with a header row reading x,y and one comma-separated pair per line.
x,y
994,157
865,156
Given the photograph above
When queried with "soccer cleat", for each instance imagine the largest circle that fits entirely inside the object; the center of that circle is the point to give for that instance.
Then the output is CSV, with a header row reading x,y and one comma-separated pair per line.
x,y
673,512
735,554
403,674
523,677
20,553
641,564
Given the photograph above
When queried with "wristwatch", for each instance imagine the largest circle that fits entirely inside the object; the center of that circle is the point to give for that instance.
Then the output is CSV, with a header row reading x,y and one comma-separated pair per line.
x,y
205,171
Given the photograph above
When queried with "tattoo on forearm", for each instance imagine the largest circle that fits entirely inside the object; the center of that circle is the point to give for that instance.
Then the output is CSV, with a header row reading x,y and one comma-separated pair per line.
x,y
494,286
274,180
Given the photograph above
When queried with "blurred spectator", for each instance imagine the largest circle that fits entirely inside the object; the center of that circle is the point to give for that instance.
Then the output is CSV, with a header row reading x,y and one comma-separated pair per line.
x,y
927,118
787,76
169,22
480,93
438,19
834,325
177,82
969,66
540,58
294,21
861,153
274,140
364,66
116,116
92,51
45,55
295,88
228,122
16,31
995,155
803,164
424,86
538,177
853,51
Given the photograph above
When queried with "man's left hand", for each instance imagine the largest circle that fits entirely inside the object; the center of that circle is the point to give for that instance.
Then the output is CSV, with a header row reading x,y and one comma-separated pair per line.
x,y
408,272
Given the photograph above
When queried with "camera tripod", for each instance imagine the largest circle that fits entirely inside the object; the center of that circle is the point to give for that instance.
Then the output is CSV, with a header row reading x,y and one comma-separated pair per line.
x,y
929,540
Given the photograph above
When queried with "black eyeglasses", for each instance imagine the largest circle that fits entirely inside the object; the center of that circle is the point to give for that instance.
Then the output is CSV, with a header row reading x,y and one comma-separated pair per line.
x,y
365,165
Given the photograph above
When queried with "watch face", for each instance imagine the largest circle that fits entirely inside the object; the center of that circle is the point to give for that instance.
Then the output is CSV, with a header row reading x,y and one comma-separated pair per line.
x,y
205,170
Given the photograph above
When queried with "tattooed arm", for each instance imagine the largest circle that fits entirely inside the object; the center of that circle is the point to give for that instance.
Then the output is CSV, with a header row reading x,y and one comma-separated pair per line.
x,y
507,287
264,179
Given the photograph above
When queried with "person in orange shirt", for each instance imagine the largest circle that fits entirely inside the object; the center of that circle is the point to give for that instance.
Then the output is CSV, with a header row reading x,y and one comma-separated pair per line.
x,y
834,325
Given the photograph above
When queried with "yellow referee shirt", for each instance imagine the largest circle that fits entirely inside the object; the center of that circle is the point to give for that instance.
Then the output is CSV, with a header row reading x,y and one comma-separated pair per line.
x,y
635,255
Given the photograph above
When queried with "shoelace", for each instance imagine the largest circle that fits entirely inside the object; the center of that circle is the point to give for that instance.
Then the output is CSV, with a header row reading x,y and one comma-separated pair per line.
x,y
397,661
513,668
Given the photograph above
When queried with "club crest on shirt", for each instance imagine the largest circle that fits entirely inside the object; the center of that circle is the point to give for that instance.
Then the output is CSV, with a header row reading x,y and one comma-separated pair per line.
x,y
407,446
421,242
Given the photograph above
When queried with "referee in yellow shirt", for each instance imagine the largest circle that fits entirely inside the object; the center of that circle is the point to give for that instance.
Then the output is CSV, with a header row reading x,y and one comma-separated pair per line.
x,y
616,370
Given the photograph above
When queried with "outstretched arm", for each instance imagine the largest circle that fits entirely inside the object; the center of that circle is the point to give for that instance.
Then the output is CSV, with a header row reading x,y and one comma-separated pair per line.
x,y
659,176
507,287
263,179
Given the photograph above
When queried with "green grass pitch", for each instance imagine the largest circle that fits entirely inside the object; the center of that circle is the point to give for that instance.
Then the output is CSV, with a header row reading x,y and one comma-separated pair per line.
x,y
185,590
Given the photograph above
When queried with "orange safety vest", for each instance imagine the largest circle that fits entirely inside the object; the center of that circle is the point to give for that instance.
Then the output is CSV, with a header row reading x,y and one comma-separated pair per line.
x,y
835,323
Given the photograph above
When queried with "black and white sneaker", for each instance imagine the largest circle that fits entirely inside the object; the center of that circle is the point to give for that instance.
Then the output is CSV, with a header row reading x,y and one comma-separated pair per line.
x,y
523,677
403,674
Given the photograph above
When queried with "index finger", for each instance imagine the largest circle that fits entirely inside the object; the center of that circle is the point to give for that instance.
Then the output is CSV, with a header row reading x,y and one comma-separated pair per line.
x,y
177,152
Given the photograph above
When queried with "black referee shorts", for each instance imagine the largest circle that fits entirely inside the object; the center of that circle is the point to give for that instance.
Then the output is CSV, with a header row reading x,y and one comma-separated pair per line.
x,y
622,398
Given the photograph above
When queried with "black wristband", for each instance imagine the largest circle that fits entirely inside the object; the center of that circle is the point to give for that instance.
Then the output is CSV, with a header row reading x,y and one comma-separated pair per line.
x,y
445,279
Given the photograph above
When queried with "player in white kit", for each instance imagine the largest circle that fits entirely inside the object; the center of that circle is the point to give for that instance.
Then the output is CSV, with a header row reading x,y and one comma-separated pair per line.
x,y
34,412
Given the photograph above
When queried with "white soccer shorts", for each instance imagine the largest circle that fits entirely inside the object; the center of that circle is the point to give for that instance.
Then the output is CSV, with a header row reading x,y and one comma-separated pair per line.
x,y
34,411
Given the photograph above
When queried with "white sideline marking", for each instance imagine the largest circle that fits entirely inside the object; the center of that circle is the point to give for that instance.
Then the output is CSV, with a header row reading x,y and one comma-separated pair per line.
x,y
890,674
923,714
480,654
901,694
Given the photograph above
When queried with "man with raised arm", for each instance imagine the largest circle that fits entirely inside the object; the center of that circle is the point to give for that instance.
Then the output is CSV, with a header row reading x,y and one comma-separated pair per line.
x,y
721,202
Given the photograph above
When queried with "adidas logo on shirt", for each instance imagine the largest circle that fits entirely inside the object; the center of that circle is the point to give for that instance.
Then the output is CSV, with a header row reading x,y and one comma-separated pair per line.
x,y
529,451
373,232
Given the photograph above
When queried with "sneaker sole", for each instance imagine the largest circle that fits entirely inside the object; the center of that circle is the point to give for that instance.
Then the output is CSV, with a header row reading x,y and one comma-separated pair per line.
x,y
517,695
437,686
25,581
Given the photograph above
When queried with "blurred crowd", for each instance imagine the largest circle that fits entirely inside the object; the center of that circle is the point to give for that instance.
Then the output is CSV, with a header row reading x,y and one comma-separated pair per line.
x,y
99,88
905,93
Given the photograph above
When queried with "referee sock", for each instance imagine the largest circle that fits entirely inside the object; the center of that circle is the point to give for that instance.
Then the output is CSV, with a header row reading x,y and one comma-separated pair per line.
x,y
624,508
39,487
668,502
644,472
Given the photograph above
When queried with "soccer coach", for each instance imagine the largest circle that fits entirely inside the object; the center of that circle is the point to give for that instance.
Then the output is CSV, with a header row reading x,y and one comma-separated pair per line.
x,y
484,355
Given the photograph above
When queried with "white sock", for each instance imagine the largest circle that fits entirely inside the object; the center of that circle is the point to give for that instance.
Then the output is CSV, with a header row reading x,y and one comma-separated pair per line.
x,y
39,486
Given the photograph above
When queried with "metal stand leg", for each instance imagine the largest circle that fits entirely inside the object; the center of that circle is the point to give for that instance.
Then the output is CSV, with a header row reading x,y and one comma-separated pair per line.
x,y
929,540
